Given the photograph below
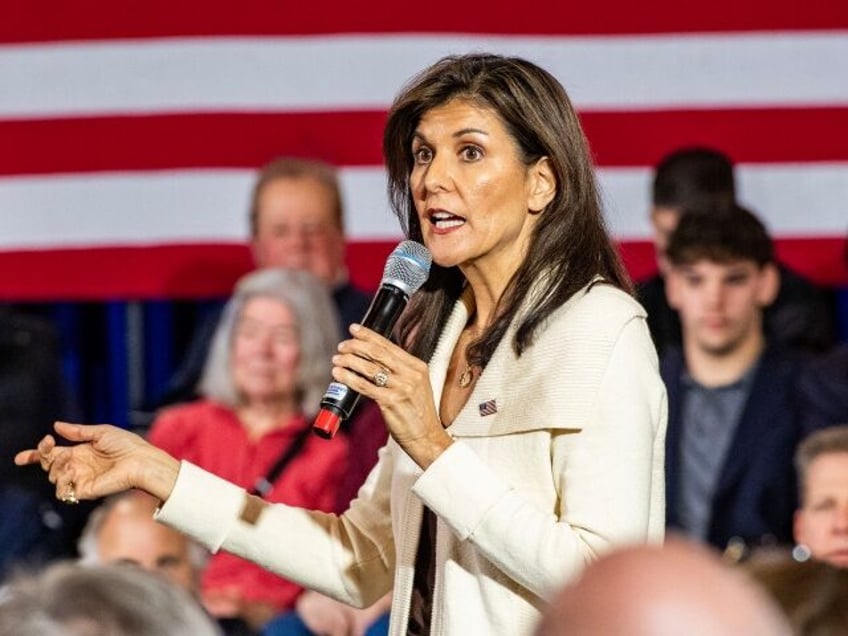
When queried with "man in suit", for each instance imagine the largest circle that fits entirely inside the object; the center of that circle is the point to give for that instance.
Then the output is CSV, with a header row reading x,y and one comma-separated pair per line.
x,y
734,421
801,315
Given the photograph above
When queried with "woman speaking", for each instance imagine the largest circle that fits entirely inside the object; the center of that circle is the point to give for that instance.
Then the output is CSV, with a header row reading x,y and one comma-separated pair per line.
x,y
525,412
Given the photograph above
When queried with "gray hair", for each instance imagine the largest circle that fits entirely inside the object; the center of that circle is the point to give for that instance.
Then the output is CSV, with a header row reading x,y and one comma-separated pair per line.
x,y
833,439
71,599
317,326
88,541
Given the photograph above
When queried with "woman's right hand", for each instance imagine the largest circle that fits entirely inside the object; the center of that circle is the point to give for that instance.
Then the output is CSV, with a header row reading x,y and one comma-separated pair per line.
x,y
104,460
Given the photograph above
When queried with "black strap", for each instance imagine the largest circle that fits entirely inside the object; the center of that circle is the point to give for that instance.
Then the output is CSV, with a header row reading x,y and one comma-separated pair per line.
x,y
264,484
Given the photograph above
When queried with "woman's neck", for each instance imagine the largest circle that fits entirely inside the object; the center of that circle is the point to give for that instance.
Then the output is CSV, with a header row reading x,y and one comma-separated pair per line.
x,y
482,297
490,275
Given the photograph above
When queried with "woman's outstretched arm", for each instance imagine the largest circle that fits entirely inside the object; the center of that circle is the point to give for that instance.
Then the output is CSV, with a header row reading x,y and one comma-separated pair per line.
x,y
104,459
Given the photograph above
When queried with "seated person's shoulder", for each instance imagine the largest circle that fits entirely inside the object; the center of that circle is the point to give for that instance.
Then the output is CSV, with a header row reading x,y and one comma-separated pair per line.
x,y
190,410
180,419
827,373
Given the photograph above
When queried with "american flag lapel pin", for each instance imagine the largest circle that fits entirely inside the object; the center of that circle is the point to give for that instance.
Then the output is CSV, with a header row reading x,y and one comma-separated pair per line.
x,y
489,407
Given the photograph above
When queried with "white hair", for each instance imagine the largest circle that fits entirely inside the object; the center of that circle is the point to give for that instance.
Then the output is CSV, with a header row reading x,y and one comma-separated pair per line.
x,y
71,599
317,326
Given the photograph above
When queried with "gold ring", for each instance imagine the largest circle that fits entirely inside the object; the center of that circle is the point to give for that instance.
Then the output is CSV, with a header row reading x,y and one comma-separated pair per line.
x,y
381,378
70,496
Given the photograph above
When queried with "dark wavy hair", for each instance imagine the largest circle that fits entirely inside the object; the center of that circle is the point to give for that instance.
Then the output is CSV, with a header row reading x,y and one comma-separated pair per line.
x,y
721,233
569,245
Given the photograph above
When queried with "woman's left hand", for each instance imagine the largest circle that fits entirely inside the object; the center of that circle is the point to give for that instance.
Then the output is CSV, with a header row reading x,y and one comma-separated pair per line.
x,y
405,398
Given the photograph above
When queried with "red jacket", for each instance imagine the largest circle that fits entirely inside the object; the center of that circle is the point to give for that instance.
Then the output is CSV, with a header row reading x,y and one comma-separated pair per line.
x,y
211,436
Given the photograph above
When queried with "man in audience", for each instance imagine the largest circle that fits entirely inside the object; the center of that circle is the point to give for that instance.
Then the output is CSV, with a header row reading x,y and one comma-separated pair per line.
x,y
668,590
296,221
801,315
821,522
734,421
122,530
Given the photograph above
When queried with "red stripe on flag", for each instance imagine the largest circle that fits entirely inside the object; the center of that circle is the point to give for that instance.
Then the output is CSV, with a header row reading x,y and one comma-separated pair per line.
x,y
42,20
119,273
199,140
206,271
749,135
247,140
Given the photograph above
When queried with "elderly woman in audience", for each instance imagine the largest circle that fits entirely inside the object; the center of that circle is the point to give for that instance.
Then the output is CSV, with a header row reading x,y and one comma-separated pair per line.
x,y
266,372
821,521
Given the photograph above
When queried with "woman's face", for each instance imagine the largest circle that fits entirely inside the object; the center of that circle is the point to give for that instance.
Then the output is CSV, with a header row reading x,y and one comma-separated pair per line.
x,y
265,351
476,201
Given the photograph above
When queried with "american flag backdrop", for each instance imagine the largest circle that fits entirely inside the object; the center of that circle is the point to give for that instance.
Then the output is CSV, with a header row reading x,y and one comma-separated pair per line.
x,y
130,131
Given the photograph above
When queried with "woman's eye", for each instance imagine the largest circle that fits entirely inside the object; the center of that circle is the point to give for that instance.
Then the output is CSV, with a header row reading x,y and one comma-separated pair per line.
x,y
472,153
422,155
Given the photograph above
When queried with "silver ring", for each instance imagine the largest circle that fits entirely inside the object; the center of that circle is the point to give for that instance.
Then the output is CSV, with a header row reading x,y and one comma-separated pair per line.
x,y
381,378
71,496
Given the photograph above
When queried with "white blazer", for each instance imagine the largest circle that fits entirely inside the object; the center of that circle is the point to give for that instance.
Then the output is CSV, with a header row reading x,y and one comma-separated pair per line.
x,y
558,457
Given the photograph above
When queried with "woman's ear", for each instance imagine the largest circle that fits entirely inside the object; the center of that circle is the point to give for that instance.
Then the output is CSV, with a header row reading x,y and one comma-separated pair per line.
x,y
543,185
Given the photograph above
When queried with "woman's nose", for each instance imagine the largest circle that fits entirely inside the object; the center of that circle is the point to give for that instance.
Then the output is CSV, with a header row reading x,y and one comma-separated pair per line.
x,y
437,174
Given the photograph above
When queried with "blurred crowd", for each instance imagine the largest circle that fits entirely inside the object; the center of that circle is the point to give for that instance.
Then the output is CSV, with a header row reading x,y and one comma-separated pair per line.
x,y
756,450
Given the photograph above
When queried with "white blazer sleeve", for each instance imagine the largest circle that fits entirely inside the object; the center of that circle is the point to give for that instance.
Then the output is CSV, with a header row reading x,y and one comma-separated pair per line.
x,y
349,557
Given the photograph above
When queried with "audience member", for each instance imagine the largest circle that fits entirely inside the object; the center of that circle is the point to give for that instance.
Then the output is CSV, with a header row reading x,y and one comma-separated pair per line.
x,y
679,588
690,178
71,599
122,530
32,528
821,522
734,421
813,595
268,368
296,221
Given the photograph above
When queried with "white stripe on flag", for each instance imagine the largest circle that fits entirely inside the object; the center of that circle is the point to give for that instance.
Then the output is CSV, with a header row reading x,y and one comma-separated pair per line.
x,y
359,72
209,205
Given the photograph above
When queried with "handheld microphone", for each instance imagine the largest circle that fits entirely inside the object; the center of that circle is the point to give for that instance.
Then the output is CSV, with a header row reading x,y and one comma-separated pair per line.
x,y
406,270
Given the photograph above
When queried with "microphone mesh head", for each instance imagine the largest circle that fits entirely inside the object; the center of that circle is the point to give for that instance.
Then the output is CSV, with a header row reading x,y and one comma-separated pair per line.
x,y
407,267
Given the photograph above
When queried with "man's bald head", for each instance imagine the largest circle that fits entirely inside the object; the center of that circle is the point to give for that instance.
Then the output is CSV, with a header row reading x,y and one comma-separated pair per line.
x,y
666,590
